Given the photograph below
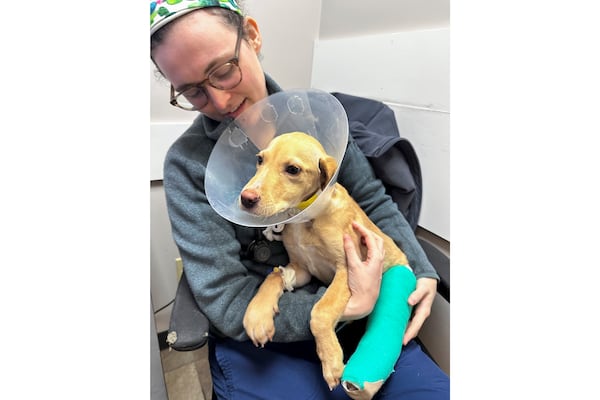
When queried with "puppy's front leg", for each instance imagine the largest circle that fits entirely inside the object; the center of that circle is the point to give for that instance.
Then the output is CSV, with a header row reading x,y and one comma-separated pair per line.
x,y
258,320
324,316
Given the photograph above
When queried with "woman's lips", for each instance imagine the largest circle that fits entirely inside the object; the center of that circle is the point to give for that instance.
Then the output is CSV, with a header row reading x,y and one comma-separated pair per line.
x,y
235,113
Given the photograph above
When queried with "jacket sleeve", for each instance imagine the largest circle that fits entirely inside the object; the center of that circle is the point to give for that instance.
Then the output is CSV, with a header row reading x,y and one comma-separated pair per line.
x,y
210,249
395,162
357,176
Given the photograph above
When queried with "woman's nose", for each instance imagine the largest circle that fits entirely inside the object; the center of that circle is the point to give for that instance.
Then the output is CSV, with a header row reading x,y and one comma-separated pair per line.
x,y
219,99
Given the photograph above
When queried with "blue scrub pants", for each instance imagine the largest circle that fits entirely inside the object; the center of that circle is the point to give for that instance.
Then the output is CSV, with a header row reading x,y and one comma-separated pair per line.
x,y
292,371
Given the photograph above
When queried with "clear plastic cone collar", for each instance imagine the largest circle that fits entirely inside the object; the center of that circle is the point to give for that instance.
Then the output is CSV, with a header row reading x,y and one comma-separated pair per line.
x,y
232,162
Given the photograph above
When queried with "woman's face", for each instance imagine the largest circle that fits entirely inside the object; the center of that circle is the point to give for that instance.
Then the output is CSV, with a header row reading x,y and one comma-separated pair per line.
x,y
200,41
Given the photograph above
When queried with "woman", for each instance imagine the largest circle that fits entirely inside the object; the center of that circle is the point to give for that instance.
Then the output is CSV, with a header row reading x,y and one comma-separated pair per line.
x,y
209,54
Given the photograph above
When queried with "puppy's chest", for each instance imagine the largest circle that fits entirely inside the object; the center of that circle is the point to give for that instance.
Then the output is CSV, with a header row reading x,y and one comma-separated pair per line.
x,y
313,250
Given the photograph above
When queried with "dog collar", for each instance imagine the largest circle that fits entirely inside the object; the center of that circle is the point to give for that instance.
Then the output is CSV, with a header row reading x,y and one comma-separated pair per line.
x,y
308,202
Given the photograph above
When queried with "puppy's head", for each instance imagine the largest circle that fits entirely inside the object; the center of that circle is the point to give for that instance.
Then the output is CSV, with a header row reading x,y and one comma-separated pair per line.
x,y
290,171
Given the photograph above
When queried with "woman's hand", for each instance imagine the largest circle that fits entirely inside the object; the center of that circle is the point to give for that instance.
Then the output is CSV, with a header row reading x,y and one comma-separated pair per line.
x,y
364,280
364,277
422,299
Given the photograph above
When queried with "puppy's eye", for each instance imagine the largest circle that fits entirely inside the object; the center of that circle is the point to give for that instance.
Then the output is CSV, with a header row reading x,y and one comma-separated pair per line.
x,y
292,170
259,160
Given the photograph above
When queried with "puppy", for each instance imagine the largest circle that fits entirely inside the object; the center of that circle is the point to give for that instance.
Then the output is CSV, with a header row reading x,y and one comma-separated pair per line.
x,y
291,172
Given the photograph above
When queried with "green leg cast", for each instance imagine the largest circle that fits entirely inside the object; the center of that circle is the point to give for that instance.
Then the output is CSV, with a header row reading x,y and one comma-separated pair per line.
x,y
379,348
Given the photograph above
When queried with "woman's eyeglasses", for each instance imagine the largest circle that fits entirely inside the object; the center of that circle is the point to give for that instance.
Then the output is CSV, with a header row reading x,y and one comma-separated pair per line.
x,y
224,77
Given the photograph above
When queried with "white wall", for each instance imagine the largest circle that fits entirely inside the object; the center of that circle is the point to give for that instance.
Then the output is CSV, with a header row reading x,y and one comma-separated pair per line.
x,y
163,252
397,51
352,18
409,71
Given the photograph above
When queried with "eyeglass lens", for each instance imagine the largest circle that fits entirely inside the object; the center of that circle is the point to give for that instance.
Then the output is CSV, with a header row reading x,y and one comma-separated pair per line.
x,y
227,76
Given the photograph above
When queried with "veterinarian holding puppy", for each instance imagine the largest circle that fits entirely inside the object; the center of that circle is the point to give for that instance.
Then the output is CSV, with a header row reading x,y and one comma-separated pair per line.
x,y
208,50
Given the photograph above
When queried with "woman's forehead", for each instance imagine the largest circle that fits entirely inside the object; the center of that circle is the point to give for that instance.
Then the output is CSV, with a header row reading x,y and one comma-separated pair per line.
x,y
192,45
201,22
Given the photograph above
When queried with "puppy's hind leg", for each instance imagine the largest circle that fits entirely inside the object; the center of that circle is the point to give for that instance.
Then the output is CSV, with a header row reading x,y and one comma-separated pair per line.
x,y
324,316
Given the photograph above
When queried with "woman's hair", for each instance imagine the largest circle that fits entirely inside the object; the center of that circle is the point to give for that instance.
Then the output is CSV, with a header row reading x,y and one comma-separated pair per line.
x,y
228,17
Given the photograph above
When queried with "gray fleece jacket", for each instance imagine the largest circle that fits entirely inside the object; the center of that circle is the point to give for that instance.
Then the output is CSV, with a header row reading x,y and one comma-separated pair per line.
x,y
222,281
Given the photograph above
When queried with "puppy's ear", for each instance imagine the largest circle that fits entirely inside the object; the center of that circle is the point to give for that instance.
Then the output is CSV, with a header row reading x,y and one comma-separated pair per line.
x,y
327,167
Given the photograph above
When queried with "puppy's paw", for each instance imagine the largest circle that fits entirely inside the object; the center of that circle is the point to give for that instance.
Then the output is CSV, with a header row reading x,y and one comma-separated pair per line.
x,y
333,368
259,323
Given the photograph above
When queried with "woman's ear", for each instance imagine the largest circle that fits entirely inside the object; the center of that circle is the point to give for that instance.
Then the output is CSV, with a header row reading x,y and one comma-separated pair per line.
x,y
253,34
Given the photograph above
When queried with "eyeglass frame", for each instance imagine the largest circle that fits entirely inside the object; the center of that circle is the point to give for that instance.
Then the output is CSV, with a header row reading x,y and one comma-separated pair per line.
x,y
200,85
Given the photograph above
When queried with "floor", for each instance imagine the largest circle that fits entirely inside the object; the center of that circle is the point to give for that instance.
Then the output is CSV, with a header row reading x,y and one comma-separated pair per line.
x,y
187,375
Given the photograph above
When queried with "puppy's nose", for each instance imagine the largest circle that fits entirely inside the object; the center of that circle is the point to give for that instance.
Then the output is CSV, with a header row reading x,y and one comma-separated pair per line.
x,y
249,198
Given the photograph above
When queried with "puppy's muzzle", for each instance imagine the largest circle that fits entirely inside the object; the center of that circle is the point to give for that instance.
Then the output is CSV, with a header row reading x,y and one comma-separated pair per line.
x,y
249,198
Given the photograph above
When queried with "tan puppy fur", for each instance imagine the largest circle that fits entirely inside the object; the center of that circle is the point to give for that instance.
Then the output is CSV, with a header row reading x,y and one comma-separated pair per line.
x,y
289,171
